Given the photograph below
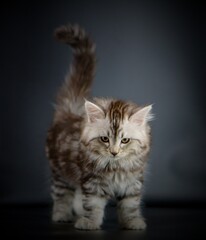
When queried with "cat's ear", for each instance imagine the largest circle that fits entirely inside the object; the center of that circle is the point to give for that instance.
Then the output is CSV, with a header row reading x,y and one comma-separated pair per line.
x,y
93,112
142,116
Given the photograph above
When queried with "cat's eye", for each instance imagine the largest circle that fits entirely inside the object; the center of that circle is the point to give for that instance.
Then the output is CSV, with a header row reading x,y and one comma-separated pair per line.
x,y
125,140
104,139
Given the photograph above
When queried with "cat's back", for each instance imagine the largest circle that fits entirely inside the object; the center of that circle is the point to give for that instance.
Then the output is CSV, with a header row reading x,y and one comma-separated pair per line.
x,y
62,145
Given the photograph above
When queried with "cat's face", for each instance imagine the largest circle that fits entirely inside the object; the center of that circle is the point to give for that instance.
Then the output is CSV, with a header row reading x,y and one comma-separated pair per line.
x,y
114,133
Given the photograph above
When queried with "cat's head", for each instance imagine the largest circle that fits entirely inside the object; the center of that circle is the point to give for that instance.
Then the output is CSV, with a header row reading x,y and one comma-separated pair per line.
x,y
116,129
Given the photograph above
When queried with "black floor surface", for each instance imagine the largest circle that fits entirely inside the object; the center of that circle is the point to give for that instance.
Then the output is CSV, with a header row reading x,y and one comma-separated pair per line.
x,y
33,222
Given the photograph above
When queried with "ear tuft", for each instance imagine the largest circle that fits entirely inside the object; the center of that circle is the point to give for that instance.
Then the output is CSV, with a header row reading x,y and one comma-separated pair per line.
x,y
93,111
142,116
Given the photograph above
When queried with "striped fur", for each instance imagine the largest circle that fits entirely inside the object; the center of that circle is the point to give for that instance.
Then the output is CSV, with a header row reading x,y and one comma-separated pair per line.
x,y
97,149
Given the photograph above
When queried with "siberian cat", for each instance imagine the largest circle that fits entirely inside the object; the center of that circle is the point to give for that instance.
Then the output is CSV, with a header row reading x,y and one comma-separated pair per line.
x,y
97,148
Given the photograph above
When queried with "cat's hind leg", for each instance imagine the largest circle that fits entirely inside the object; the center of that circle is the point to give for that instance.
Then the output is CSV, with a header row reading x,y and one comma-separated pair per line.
x,y
78,204
63,197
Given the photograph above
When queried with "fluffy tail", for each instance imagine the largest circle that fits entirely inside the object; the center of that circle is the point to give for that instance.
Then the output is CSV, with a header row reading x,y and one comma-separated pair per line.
x,y
78,82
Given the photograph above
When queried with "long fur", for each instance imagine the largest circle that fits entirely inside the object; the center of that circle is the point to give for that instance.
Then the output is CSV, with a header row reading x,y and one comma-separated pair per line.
x,y
77,84
97,149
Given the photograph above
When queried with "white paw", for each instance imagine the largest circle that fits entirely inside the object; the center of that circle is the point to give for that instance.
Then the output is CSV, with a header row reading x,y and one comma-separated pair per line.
x,y
58,216
135,224
84,223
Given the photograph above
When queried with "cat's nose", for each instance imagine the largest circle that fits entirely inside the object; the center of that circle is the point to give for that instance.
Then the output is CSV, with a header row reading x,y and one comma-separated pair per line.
x,y
114,153
114,150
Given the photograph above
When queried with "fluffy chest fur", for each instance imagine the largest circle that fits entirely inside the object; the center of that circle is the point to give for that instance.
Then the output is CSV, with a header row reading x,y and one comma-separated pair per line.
x,y
117,184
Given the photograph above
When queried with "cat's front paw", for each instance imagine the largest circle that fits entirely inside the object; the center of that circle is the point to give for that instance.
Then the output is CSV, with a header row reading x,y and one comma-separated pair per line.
x,y
84,223
135,224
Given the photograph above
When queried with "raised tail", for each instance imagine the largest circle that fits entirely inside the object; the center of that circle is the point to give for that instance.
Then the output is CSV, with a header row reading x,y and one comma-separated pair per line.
x,y
78,82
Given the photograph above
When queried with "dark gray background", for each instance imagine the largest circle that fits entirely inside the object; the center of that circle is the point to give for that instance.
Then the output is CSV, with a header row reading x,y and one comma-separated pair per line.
x,y
148,52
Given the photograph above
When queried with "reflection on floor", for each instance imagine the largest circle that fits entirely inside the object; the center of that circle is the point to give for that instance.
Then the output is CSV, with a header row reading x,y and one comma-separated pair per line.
x,y
33,222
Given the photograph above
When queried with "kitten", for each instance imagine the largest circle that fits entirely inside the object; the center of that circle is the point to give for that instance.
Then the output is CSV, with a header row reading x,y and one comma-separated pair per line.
x,y
97,149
